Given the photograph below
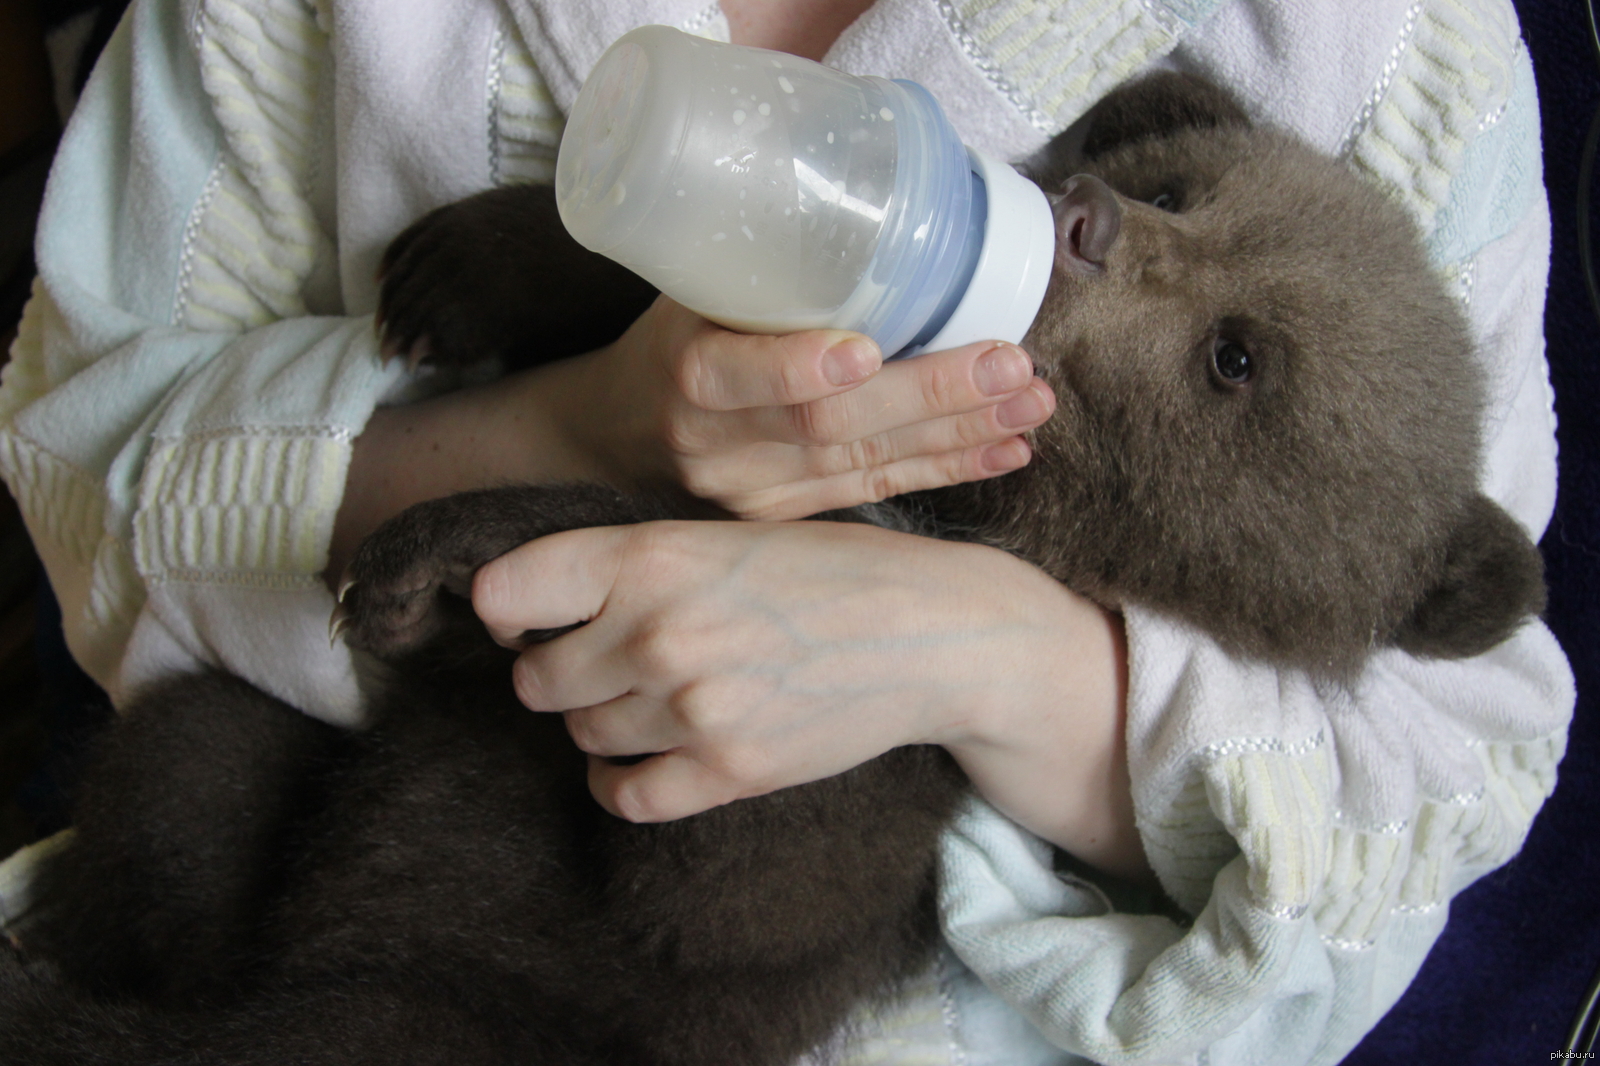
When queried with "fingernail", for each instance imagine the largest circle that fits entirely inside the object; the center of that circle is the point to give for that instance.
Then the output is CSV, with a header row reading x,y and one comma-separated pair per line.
x,y
1006,456
850,361
1022,411
1002,369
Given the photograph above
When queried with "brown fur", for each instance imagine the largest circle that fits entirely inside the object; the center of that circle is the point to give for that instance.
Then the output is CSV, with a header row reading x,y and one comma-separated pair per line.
x,y
1302,518
254,887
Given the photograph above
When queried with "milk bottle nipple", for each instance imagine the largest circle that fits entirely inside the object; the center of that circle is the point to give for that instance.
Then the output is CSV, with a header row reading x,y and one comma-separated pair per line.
x,y
772,194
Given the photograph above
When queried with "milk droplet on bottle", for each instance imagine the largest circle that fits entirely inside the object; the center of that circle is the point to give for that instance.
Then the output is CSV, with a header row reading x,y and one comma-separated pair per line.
x,y
892,228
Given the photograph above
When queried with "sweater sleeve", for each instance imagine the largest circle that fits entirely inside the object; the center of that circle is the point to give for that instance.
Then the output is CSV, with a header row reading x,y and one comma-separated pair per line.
x,y
1315,833
177,415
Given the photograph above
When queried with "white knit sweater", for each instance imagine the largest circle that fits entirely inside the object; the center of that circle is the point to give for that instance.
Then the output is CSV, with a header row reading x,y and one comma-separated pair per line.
x,y
199,353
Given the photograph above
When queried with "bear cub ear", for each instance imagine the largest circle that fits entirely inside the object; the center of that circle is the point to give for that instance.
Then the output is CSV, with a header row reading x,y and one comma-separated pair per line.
x,y
1158,106
1491,582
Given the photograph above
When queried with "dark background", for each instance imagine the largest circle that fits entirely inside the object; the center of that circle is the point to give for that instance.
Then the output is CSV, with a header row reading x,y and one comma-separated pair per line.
x,y
1504,982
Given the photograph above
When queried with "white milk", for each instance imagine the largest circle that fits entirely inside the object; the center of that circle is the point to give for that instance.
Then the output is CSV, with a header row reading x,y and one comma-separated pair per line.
x,y
772,194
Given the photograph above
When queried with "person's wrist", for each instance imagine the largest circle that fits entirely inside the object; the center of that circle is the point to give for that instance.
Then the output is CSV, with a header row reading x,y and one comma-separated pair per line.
x,y
583,400
1045,742
1061,653
1070,679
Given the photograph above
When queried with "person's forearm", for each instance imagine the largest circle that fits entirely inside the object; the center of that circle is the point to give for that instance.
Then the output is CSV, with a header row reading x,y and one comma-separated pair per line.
x,y
506,431
1058,765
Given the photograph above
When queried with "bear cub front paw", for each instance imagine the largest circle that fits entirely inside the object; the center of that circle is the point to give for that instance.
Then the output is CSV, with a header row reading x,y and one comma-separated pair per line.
x,y
497,277
409,586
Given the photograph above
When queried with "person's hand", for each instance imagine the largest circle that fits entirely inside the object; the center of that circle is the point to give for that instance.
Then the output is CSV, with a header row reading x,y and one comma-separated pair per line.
x,y
747,657
787,426
765,427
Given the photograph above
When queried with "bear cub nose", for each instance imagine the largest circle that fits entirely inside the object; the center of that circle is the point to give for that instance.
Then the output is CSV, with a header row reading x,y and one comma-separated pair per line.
x,y
1088,220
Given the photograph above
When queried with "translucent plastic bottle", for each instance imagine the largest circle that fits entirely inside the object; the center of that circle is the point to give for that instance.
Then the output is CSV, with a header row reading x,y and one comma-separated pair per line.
x,y
772,194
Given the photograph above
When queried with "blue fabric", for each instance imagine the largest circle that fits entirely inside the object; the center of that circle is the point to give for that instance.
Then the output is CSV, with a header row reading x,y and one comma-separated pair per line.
x,y
1191,12
1491,192
1503,983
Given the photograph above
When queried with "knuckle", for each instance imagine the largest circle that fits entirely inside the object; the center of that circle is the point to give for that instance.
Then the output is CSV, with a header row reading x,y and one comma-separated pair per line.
x,y
527,685
708,706
582,729
941,391
880,483
821,463
661,550
775,505
972,431
950,468
746,768
702,479
641,805
685,436
820,422
792,383
694,375
869,452
815,463
963,466
653,649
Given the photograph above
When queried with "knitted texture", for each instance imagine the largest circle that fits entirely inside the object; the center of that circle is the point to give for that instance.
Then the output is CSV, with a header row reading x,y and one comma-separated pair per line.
x,y
253,239
1448,76
1054,59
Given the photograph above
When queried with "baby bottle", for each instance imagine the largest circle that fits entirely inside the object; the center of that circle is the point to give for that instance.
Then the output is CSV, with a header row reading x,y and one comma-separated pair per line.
x,y
772,194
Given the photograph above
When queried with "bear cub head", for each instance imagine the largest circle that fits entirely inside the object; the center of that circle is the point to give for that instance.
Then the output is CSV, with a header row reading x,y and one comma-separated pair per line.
x,y
1269,406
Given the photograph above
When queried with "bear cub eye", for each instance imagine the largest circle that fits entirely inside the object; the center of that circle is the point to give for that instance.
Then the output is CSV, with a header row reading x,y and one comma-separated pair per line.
x,y
1165,201
1231,364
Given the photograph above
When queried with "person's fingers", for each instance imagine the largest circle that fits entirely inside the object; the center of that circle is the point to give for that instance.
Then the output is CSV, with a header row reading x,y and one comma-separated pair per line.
x,y
630,724
903,394
660,789
718,370
548,583
799,499
972,432
588,667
